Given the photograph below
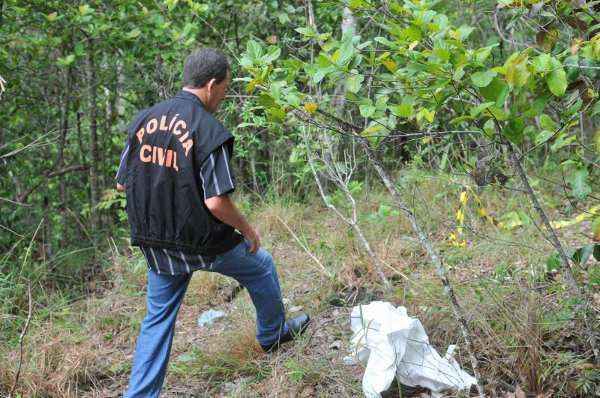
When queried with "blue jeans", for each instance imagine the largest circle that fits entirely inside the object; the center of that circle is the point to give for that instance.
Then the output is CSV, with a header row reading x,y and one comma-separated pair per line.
x,y
256,272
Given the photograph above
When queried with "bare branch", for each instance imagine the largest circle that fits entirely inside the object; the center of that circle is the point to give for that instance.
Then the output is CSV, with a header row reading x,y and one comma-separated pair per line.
x,y
319,263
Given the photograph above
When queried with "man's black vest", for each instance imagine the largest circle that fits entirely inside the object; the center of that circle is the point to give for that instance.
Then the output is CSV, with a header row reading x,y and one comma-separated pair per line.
x,y
165,200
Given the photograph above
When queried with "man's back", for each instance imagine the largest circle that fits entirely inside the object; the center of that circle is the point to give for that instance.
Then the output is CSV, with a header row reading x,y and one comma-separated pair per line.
x,y
168,143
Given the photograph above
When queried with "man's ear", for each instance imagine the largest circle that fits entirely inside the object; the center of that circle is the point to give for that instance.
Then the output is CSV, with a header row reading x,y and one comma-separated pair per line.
x,y
211,84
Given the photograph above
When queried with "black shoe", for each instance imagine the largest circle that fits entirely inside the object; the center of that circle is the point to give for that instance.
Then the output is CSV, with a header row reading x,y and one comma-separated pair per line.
x,y
296,326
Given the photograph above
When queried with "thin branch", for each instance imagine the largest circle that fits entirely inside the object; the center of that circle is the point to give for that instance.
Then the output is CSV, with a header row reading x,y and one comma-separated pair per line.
x,y
323,269
22,339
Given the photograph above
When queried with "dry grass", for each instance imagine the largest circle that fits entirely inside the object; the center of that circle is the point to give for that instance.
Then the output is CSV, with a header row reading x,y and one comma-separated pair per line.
x,y
523,331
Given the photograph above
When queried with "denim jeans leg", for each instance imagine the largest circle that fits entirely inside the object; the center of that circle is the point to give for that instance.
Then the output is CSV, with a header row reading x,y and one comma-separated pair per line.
x,y
153,347
257,273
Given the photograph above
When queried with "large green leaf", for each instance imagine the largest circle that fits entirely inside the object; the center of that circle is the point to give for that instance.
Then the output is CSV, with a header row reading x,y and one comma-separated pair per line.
x,y
483,78
476,111
405,109
547,123
516,69
272,54
353,82
557,79
366,108
345,53
496,91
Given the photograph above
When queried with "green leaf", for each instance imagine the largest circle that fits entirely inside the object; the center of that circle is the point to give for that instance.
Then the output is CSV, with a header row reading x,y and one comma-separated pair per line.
x,y
547,123
553,263
405,109
562,141
254,50
464,31
355,4
483,53
460,119
543,136
480,108
557,79
134,33
271,55
496,91
386,42
537,107
489,128
367,109
542,63
582,255
353,83
483,78
513,130
516,70
345,53
579,184
66,61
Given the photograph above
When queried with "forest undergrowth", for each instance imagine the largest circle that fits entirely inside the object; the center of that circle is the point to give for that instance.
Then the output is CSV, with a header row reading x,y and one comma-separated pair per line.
x,y
525,333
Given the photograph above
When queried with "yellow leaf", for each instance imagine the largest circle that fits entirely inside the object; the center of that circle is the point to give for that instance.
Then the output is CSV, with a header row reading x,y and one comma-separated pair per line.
x,y
251,86
460,216
429,115
310,107
463,198
482,212
85,9
52,16
390,64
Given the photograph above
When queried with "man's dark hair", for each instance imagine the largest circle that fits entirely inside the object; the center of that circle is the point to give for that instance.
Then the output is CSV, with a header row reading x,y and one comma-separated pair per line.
x,y
203,65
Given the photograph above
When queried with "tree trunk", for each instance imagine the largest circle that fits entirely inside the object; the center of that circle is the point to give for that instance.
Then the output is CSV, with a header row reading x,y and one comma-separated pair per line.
x,y
64,128
94,158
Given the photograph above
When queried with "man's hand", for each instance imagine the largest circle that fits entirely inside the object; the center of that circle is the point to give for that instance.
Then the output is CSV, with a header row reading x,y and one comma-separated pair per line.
x,y
120,187
253,236
225,210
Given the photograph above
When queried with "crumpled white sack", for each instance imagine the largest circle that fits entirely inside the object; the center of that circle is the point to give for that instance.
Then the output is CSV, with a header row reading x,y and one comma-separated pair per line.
x,y
394,344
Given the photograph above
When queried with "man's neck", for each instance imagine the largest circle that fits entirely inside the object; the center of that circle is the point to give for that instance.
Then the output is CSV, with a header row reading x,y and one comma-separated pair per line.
x,y
198,92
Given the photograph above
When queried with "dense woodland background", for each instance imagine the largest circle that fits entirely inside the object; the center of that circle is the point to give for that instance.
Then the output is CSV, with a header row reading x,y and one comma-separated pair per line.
x,y
443,155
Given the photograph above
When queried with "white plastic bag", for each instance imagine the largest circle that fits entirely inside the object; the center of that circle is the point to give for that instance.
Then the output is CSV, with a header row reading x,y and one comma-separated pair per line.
x,y
394,344
208,317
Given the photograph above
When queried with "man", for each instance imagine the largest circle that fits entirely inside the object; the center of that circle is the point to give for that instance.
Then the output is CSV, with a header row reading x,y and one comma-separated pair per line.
x,y
175,170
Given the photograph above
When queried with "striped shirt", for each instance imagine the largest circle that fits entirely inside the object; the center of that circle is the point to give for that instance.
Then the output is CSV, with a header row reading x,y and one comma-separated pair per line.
x,y
217,179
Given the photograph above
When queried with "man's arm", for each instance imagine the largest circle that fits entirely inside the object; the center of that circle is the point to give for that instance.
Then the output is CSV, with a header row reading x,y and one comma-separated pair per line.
x,y
218,181
225,210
